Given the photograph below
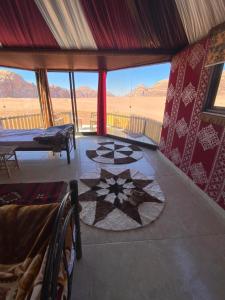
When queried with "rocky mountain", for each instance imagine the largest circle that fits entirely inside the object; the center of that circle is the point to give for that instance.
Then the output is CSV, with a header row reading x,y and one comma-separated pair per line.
x,y
158,89
13,85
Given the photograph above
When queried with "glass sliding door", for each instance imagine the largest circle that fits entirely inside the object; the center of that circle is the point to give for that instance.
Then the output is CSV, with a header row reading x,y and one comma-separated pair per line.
x,y
86,98
59,86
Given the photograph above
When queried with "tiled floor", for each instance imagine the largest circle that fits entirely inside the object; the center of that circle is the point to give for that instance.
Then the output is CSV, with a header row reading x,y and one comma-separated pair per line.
x,y
180,256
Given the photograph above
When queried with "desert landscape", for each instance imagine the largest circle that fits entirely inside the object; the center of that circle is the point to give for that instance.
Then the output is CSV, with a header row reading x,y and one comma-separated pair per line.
x,y
19,97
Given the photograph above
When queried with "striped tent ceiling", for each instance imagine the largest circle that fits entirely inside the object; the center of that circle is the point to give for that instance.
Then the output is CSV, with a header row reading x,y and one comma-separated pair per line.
x,y
159,28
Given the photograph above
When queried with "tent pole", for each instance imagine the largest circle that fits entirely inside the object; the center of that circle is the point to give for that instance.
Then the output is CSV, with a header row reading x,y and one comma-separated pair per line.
x,y
71,96
75,100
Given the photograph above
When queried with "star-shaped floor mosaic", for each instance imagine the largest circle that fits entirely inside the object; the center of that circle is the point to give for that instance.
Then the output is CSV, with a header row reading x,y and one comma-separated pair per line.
x,y
120,200
115,153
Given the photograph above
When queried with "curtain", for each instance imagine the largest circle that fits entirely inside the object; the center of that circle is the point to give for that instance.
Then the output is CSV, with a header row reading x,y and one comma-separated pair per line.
x,y
134,24
23,25
45,99
101,109
216,51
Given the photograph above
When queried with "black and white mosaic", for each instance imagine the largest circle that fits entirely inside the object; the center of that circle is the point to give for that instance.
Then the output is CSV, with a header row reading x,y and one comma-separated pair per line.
x,y
119,199
115,153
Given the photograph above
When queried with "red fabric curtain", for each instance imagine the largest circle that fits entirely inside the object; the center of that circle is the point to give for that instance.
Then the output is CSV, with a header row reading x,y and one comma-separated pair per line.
x,y
101,109
23,25
134,24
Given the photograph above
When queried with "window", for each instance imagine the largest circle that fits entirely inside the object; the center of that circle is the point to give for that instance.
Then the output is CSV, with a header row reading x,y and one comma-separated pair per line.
x,y
86,96
215,101
136,101
60,96
19,101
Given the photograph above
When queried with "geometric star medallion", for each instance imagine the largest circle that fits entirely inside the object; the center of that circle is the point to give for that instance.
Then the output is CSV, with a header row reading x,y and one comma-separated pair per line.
x,y
120,200
115,153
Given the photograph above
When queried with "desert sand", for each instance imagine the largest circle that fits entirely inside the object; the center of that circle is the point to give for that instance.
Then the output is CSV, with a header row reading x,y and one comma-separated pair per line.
x,y
150,107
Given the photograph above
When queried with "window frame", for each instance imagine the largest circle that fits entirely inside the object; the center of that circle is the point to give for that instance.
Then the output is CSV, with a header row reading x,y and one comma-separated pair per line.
x,y
214,83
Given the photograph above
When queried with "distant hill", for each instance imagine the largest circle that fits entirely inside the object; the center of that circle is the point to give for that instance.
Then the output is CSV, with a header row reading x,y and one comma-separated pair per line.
x,y
13,85
158,89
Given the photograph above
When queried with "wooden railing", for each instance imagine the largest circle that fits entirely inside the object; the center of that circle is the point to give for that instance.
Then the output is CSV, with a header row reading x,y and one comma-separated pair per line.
x,y
22,122
134,124
118,121
32,121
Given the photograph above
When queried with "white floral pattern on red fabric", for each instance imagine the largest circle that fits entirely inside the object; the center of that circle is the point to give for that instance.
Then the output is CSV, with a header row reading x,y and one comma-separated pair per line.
x,y
198,173
196,55
175,156
166,120
217,181
188,94
181,128
208,137
189,146
170,93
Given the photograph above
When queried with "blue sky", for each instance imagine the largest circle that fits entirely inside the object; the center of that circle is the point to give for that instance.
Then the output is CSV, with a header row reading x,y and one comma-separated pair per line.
x,y
118,82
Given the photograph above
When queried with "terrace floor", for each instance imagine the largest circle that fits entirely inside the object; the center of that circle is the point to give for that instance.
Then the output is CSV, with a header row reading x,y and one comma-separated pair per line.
x,y
179,256
121,133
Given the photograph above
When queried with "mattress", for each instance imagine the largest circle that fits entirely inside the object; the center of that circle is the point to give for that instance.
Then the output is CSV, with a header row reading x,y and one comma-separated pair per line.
x,y
23,139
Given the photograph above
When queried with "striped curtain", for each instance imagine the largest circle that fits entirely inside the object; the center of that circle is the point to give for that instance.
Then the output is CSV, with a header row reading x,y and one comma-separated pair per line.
x,y
45,99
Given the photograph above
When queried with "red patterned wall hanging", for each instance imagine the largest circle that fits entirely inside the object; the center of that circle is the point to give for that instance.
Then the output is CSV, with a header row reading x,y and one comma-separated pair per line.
x,y
194,146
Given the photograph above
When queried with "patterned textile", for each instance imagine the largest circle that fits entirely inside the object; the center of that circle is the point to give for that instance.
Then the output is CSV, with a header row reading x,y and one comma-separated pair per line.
x,y
115,153
25,232
216,52
196,147
119,199
32,193
54,136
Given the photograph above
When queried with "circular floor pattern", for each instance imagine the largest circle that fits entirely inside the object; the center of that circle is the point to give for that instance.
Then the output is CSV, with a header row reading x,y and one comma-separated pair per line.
x,y
119,200
115,153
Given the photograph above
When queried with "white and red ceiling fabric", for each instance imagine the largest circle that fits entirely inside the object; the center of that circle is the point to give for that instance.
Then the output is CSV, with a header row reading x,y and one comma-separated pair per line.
x,y
107,24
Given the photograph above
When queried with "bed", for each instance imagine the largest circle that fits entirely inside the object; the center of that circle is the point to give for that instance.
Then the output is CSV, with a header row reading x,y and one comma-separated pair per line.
x,y
39,247
56,139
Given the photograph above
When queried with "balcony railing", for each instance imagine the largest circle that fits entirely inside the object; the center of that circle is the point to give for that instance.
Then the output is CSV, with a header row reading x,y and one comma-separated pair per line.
x,y
136,124
133,124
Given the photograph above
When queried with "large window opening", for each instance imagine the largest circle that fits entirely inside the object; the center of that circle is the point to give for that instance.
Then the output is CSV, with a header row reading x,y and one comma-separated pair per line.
x,y
59,87
136,101
215,102
19,101
86,97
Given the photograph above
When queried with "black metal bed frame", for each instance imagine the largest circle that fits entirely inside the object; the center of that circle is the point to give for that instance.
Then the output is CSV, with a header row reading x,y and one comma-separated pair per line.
x,y
70,143
56,251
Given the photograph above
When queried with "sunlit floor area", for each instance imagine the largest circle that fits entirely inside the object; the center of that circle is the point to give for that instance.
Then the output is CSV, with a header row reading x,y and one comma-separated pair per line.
x,y
121,133
179,256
